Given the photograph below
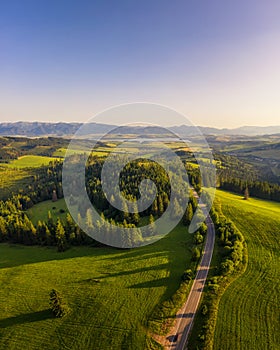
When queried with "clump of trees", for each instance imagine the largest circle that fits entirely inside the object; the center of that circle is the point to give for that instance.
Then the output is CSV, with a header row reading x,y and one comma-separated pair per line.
x,y
259,189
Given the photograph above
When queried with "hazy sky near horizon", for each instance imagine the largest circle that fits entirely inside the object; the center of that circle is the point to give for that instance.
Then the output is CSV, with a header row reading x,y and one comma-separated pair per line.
x,y
215,61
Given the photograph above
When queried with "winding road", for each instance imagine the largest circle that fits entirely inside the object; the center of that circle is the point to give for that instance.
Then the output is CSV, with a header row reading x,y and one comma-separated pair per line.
x,y
185,316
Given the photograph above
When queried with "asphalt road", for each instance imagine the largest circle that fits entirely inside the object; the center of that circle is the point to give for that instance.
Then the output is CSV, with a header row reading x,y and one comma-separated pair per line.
x,y
185,316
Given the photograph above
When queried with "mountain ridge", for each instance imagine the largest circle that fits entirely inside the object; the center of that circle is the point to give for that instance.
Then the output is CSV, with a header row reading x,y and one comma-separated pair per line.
x,y
36,128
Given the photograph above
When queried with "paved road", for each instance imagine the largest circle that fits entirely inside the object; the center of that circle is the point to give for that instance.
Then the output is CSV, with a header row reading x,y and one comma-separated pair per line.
x,y
185,316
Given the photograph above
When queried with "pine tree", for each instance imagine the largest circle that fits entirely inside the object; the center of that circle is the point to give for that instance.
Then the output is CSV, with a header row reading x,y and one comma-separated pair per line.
x,y
58,307
160,205
135,214
155,208
89,219
246,193
3,229
188,215
60,237
152,226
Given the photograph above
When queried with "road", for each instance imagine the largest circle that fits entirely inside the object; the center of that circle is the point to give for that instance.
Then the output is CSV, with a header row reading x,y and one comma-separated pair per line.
x,y
185,316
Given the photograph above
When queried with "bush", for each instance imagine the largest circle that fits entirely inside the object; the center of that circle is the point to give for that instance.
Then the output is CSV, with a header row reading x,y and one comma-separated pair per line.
x,y
195,254
187,275
204,310
227,267
198,238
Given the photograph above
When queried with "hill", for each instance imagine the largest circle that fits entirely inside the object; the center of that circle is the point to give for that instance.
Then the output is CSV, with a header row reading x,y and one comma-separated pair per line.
x,y
33,129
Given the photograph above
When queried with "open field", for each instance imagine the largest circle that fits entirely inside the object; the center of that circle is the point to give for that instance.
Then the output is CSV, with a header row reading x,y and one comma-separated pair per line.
x,y
111,292
248,316
30,161
40,210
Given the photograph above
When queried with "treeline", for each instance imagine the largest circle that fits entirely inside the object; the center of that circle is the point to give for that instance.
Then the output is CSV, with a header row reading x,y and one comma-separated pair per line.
x,y
259,189
16,227
14,147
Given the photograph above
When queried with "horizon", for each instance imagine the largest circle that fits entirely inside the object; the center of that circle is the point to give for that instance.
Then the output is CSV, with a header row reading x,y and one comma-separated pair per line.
x,y
171,125
215,62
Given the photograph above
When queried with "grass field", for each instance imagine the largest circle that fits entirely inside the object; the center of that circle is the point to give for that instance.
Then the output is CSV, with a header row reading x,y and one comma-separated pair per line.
x,y
248,317
110,313
11,180
29,161
40,210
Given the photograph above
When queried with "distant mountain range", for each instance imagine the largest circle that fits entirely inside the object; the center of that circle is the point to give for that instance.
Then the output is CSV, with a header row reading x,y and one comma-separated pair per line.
x,y
33,129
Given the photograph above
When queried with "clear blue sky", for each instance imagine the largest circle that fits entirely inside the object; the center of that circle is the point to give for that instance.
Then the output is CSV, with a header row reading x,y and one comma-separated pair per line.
x,y
216,61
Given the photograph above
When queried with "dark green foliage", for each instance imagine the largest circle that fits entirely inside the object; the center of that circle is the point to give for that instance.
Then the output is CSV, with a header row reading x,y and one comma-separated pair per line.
x,y
187,275
60,236
196,254
204,309
259,189
58,307
198,238
188,214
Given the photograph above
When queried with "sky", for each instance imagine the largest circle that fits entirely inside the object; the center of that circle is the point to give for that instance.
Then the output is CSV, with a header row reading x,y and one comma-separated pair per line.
x,y
217,62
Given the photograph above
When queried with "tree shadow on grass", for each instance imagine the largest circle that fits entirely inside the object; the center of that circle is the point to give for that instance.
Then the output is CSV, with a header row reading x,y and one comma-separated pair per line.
x,y
161,282
26,318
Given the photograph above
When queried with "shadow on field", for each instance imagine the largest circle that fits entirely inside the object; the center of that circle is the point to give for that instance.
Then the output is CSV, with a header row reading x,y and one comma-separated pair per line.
x,y
161,282
26,318
12,255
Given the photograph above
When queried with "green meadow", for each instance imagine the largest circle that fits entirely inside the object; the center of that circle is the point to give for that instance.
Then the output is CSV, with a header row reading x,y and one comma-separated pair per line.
x,y
248,316
29,161
40,211
111,293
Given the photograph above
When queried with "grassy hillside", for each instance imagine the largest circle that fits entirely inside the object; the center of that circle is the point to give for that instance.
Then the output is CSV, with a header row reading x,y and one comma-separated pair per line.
x,y
248,317
30,161
111,292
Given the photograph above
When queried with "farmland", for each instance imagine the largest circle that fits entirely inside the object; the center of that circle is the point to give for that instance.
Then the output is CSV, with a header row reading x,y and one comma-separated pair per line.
x,y
248,316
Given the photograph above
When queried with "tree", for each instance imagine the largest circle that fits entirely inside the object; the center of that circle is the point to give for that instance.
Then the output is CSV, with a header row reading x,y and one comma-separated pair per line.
x,y
89,219
187,275
3,229
60,236
246,193
203,229
204,309
54,196
160,205
227,267
152,226
135,215
198,238
188,215
58,307
195,254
